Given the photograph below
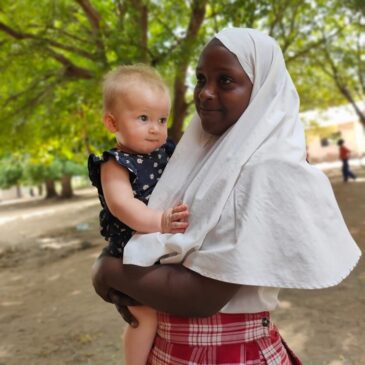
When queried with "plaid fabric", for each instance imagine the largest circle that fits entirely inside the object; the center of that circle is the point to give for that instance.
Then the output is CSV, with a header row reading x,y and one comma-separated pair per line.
x,y
246,339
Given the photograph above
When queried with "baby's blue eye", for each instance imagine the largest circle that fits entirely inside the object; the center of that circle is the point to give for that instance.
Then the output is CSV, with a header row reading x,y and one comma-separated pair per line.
x,y
143,118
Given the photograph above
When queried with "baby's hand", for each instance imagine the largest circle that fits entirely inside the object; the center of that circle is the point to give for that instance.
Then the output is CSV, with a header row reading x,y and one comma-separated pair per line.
x,y
175,220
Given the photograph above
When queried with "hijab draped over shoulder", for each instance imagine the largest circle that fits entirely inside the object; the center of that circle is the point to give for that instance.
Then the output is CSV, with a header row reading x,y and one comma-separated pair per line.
x,y
286,229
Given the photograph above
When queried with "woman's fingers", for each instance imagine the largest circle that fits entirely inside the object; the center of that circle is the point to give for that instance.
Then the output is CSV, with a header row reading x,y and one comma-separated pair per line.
x,y
121,302
121,299
127,315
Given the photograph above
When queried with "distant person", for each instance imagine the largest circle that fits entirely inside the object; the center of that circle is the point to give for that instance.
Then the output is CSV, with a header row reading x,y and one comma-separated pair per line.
x,y
136,108
344,154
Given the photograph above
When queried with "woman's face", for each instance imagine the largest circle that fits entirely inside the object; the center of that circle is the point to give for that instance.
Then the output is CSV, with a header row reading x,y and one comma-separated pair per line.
x,y
223,90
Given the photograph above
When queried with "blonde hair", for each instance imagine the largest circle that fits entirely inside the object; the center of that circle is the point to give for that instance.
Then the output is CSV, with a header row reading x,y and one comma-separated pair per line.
x,y
119,80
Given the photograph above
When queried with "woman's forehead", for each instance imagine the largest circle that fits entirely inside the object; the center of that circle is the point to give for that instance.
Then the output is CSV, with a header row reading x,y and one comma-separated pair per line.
x,y
216,55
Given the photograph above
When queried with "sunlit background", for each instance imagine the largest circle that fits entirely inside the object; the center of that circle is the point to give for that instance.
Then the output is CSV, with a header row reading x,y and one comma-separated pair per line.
x,y
53,57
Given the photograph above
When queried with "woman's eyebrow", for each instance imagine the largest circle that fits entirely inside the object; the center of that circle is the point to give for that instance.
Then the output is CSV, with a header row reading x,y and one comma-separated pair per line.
x,y
219,69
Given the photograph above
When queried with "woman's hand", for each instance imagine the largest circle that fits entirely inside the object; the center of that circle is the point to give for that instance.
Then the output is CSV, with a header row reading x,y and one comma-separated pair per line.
x,y
110,295
121,302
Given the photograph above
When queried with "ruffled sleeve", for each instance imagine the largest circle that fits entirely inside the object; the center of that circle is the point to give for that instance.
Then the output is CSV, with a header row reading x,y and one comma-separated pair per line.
x,y
93,165
123,159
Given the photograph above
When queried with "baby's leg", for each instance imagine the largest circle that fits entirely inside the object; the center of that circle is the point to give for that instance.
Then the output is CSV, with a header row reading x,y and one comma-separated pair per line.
x,y
137,342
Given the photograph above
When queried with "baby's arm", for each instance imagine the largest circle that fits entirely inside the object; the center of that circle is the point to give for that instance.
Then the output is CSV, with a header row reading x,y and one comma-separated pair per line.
x,y
123,205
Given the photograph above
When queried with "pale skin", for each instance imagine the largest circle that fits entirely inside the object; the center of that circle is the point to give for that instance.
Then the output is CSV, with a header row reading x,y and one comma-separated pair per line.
x,y
123,205
139,124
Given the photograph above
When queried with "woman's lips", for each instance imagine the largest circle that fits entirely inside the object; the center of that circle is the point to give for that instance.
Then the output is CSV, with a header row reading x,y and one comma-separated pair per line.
x,y
208,111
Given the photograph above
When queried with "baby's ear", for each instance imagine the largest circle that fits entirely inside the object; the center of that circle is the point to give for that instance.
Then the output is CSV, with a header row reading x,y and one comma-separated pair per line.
x,y
110,122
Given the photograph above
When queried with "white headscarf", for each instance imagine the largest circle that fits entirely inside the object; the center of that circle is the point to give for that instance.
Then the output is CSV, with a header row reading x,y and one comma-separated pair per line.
x,y
287,230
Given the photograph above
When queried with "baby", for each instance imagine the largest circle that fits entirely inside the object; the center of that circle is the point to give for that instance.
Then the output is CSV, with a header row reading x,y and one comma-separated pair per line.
x,y
136,109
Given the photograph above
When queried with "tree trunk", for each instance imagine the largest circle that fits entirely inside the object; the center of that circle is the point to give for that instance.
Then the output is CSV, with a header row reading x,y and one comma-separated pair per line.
x,y
50,189
180,106
346,93
144,32
40,189
66,192
342,87
18,191
138,10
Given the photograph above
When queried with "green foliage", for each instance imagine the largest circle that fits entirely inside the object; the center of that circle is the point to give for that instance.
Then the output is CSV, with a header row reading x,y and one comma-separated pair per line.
x,y
11,172
54,54
35,173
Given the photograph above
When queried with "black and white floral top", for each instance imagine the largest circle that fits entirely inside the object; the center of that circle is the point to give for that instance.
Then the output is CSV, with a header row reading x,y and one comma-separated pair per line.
x,y
144,173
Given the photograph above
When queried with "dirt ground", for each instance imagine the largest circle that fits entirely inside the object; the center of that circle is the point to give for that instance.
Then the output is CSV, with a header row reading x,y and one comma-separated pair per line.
x,y
50,315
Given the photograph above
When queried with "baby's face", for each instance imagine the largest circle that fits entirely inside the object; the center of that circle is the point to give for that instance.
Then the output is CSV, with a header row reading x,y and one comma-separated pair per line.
x,y
141,119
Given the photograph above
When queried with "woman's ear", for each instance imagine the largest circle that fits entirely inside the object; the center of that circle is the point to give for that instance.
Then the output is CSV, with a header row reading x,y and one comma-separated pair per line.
x,y
110,122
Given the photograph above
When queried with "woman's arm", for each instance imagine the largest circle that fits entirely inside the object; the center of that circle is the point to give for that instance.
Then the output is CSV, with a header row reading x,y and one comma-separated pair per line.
x,y
168,288
134,213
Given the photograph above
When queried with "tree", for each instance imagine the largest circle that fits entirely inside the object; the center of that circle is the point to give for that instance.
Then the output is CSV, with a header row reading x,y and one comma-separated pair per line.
x,y
11,173
323,45
54,56
59,52
342,59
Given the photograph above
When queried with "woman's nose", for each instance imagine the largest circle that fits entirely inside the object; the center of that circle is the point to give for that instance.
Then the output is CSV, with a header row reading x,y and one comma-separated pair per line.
x,y
206,93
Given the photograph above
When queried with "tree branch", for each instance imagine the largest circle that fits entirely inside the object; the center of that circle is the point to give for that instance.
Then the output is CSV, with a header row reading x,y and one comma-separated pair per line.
x,y
342,87
11,32
68,35
91,13
179,108
21,35
121,10
291,33
31,87
94,19
31,102
360,64
305,50
70,69
156,58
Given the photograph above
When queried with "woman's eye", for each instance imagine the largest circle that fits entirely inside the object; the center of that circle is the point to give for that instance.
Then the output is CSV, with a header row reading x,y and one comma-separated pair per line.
x,y
200,79
143,118
225,80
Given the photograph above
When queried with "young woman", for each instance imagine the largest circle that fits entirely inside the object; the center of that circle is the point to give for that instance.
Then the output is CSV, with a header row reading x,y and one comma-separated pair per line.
x,y
261,218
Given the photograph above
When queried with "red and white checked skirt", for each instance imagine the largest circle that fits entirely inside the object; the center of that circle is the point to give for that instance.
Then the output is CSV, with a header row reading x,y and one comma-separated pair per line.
x,y
246,339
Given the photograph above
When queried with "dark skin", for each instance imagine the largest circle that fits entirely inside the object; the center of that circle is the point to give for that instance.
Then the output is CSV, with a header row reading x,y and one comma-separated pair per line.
x,y
168,288
223,89
221,95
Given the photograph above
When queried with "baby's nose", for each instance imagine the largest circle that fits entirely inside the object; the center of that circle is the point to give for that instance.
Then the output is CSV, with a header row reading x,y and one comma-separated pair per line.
x,y
153,128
